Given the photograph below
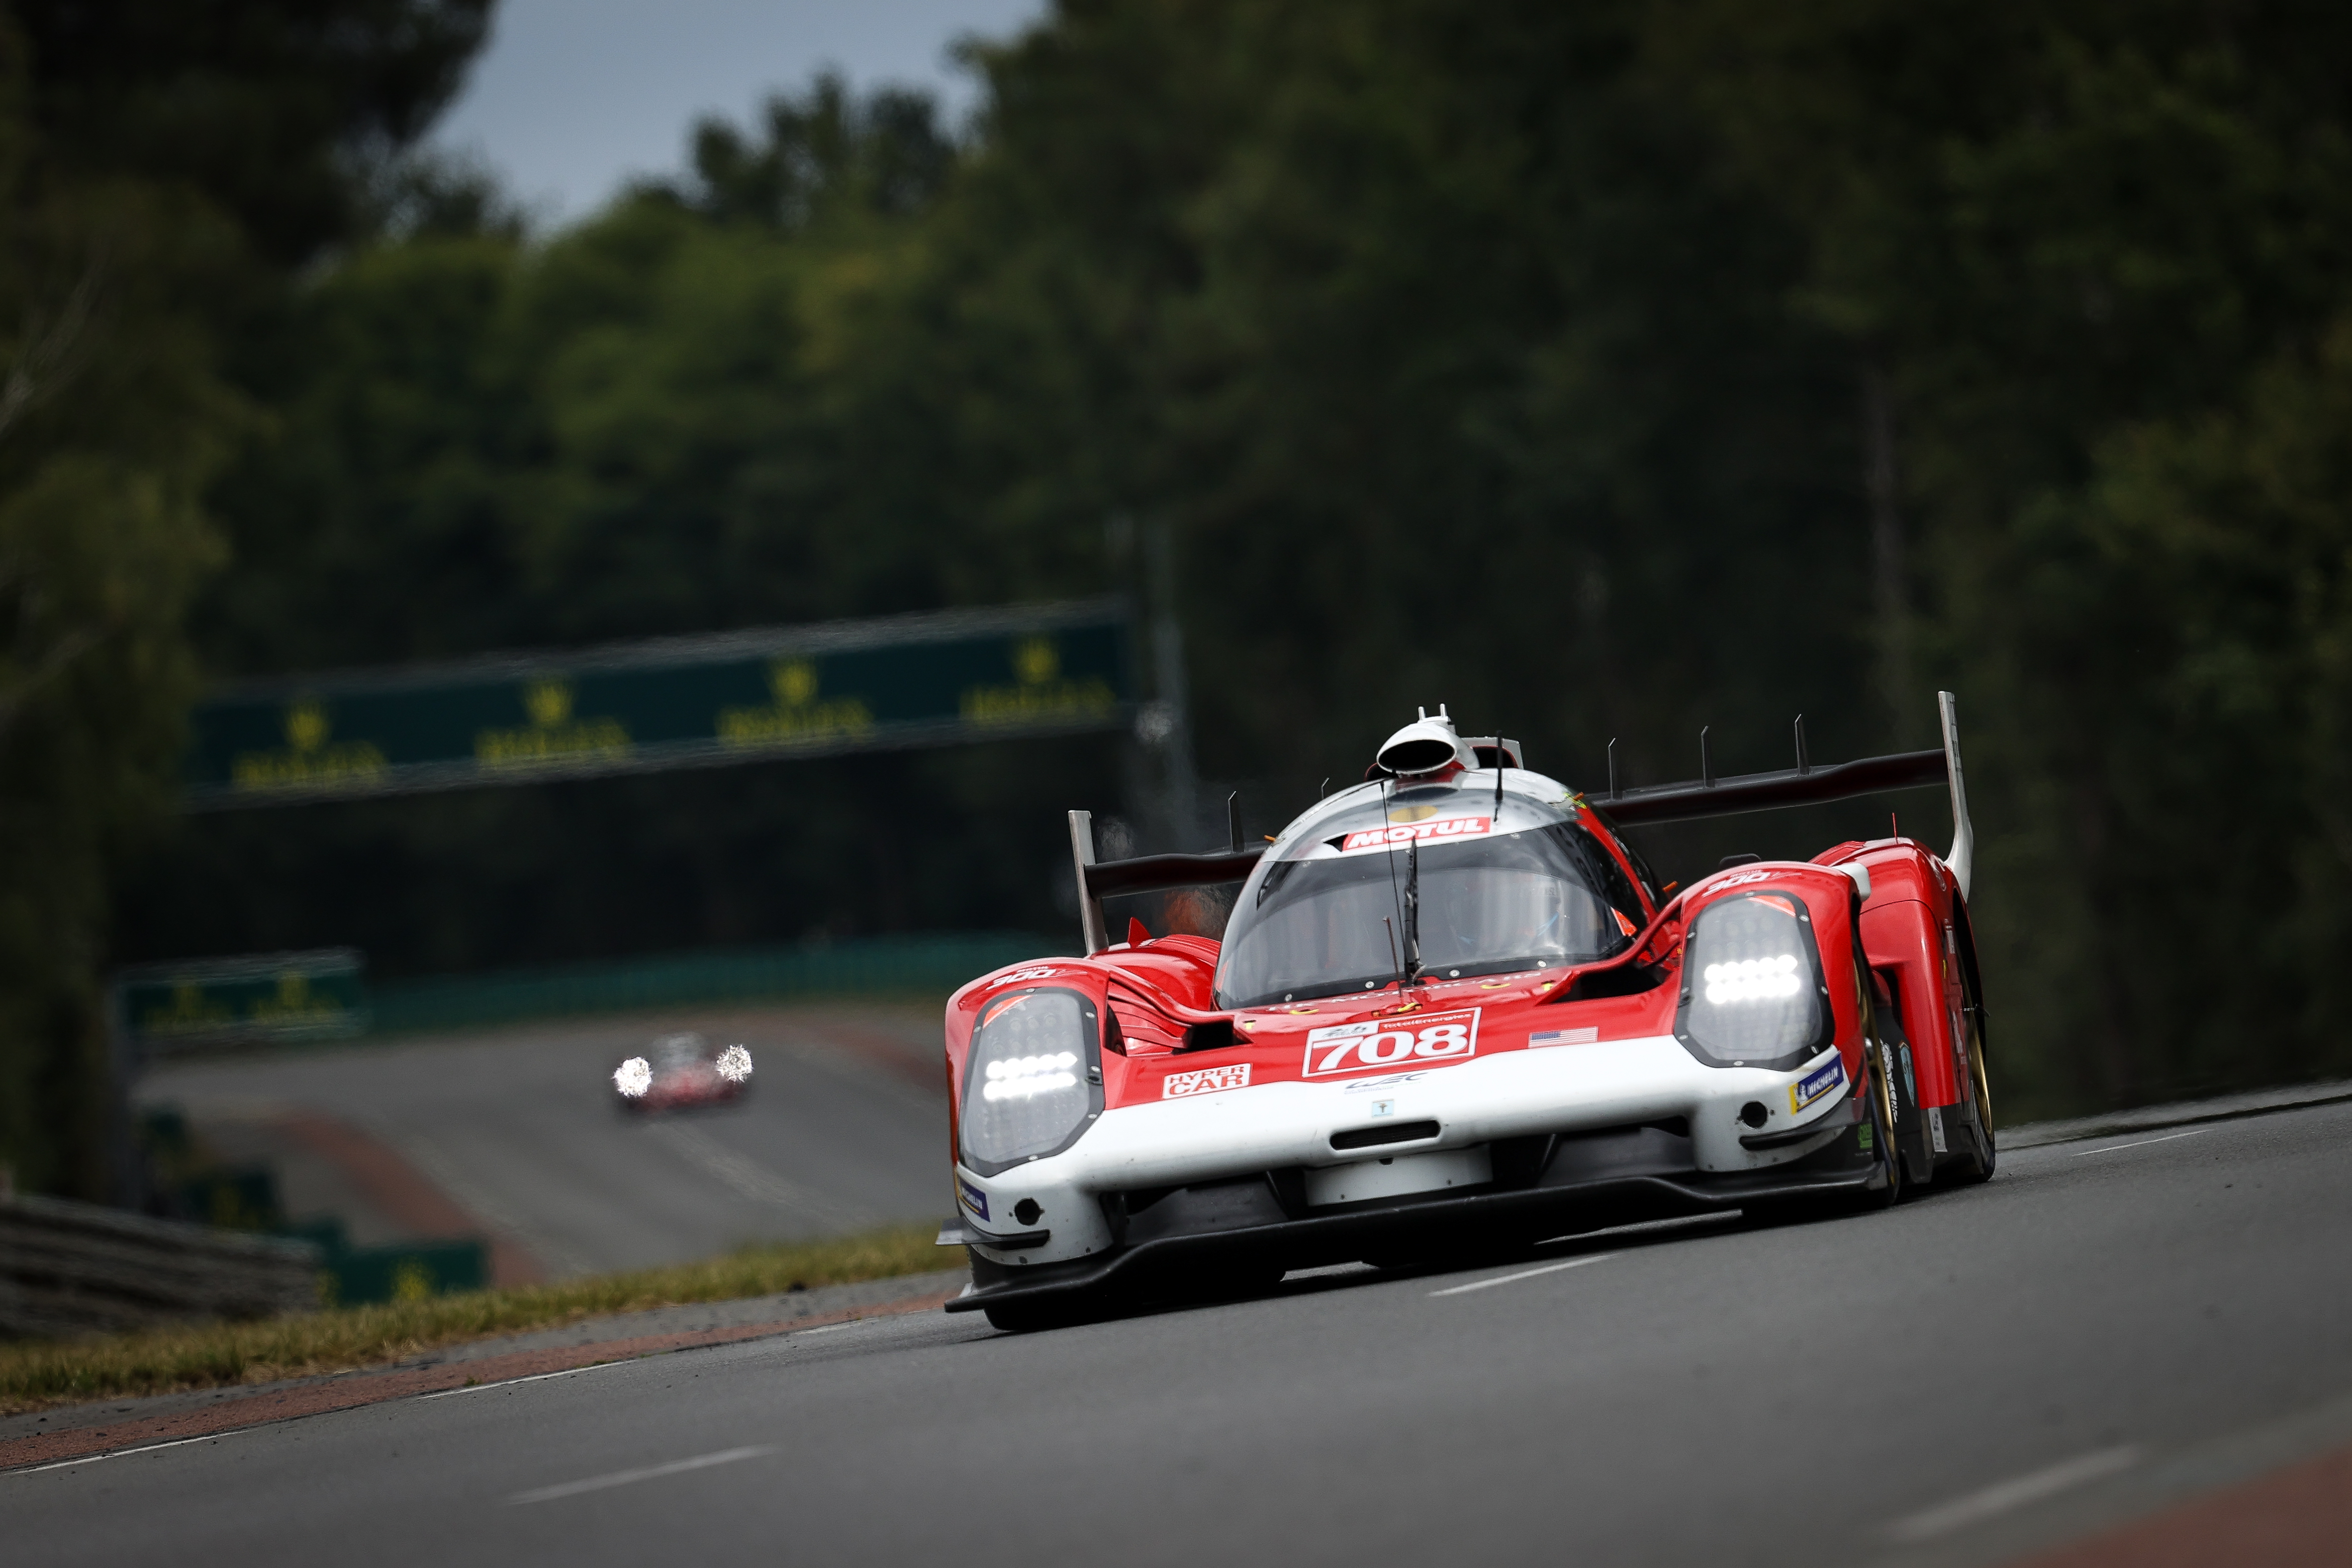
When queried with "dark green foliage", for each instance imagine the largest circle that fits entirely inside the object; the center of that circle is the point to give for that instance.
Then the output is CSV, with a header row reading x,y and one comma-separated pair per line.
x,y
162,169
2101,250
822,152
1605,369
266,107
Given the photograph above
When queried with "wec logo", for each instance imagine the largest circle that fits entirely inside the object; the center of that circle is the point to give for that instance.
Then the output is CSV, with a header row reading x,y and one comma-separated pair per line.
x,y
1743,879
1207,1081
1407,833
1429,1039
1044,972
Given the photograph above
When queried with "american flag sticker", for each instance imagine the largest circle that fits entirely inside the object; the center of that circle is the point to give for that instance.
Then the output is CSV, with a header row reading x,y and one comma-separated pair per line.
x,y
1544,1037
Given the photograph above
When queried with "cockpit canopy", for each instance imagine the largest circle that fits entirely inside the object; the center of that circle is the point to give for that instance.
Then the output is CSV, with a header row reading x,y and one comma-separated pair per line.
x,y
1525,887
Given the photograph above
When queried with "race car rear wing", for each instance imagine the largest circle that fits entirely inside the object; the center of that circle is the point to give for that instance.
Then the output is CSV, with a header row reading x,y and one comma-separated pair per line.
x,y
1806,784
1803,785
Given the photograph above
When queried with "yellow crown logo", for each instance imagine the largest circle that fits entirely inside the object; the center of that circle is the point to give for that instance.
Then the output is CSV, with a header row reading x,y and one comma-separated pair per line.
x,y
548,702
1037,661
306,724
792,680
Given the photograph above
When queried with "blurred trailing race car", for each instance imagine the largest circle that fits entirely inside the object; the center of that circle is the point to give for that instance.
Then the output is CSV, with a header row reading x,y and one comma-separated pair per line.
x,y
1451,1011
681,1071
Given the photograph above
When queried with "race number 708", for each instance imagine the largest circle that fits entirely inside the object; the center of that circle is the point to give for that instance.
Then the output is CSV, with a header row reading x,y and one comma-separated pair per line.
x,y
1435,1041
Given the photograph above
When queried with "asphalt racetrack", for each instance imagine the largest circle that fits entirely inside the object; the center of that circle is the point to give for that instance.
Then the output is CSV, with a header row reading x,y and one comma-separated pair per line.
x,y
514,1133
2110,1326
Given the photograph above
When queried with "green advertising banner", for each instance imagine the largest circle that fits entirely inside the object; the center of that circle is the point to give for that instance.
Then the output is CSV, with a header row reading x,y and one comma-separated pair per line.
x,y
316,994
685,702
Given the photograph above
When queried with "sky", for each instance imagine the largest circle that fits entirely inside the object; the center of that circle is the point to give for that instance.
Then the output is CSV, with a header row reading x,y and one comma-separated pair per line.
x,y
573,96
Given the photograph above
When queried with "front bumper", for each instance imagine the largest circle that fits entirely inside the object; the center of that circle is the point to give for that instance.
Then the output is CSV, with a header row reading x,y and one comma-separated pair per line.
x,y
1239,1233
1576,1137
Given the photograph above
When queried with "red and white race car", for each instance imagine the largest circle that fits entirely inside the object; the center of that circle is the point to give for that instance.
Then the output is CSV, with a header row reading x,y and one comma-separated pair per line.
x,y
678,1072
1452,1010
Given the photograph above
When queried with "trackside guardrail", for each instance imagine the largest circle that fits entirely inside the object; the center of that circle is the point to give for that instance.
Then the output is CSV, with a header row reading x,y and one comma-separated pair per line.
x,y
76,1267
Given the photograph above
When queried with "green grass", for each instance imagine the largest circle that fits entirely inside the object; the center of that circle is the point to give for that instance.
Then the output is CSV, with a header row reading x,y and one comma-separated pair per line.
x,y
34,1374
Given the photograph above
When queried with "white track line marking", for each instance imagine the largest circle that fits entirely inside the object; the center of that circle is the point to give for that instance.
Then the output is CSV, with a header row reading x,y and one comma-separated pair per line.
x,y
534,1377
2015,1492
651,1472
1522,1274
829,1328
125,1453
2142,1143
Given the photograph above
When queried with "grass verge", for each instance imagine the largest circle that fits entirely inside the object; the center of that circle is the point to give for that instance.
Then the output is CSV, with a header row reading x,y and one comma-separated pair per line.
x,y
36,1374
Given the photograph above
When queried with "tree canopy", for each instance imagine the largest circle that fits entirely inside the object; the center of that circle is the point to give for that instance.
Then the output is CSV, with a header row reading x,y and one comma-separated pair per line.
x,y
165,171
1606,371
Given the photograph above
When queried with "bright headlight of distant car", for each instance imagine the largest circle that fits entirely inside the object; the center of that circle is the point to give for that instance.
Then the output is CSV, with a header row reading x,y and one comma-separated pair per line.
x,y
1030,1081
1752,992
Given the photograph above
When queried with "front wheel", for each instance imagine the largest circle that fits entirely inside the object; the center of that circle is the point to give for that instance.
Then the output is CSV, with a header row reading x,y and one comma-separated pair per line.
x,y
1885,1189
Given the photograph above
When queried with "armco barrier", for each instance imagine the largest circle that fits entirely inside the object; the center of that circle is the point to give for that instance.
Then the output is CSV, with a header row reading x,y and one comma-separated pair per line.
x,y
871,966
75,1268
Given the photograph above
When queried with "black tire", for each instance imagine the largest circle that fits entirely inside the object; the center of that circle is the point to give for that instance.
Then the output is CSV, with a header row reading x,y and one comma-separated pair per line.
x,y
1978,1153
1889,1181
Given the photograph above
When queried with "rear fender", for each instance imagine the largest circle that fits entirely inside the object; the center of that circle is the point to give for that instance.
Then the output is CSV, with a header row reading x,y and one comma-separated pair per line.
x,y
1910,935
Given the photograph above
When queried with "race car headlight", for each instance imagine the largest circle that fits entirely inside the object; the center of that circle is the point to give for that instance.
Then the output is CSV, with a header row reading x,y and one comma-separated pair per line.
x,y
1752,991
1028,1089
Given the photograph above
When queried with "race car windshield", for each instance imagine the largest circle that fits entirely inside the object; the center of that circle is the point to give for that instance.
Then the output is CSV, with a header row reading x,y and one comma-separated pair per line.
x,y
1488,905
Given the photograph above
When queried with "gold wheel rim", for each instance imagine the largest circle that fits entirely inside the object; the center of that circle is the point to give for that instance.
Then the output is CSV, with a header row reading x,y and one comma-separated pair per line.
x,y
1983,1086
1893,1154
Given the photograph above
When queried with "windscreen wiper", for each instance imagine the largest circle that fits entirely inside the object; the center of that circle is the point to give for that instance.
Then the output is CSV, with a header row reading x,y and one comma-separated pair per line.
x,y
1412,910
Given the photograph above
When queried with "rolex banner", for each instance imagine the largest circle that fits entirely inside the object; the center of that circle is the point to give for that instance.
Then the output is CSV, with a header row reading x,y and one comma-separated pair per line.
x,y
268,996
685,702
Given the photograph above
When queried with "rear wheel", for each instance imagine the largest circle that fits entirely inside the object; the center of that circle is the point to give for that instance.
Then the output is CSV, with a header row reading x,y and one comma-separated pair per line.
x,y
1976,1161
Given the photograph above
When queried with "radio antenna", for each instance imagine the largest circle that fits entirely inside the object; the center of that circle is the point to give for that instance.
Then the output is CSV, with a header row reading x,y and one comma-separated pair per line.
x,y
1396,897
1413,910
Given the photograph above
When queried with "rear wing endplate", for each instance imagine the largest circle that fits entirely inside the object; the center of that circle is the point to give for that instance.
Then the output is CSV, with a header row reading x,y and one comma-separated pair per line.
x,y
1145,873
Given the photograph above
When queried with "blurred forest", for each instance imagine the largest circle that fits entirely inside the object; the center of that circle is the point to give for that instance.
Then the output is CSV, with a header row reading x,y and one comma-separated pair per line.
x,y
1603,369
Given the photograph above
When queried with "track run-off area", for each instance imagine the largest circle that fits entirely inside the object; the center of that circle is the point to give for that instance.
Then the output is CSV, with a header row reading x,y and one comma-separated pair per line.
x,y
2145,1330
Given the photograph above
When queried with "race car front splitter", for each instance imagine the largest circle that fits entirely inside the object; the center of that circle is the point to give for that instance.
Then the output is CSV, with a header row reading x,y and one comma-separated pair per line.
x,y
1544,1188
